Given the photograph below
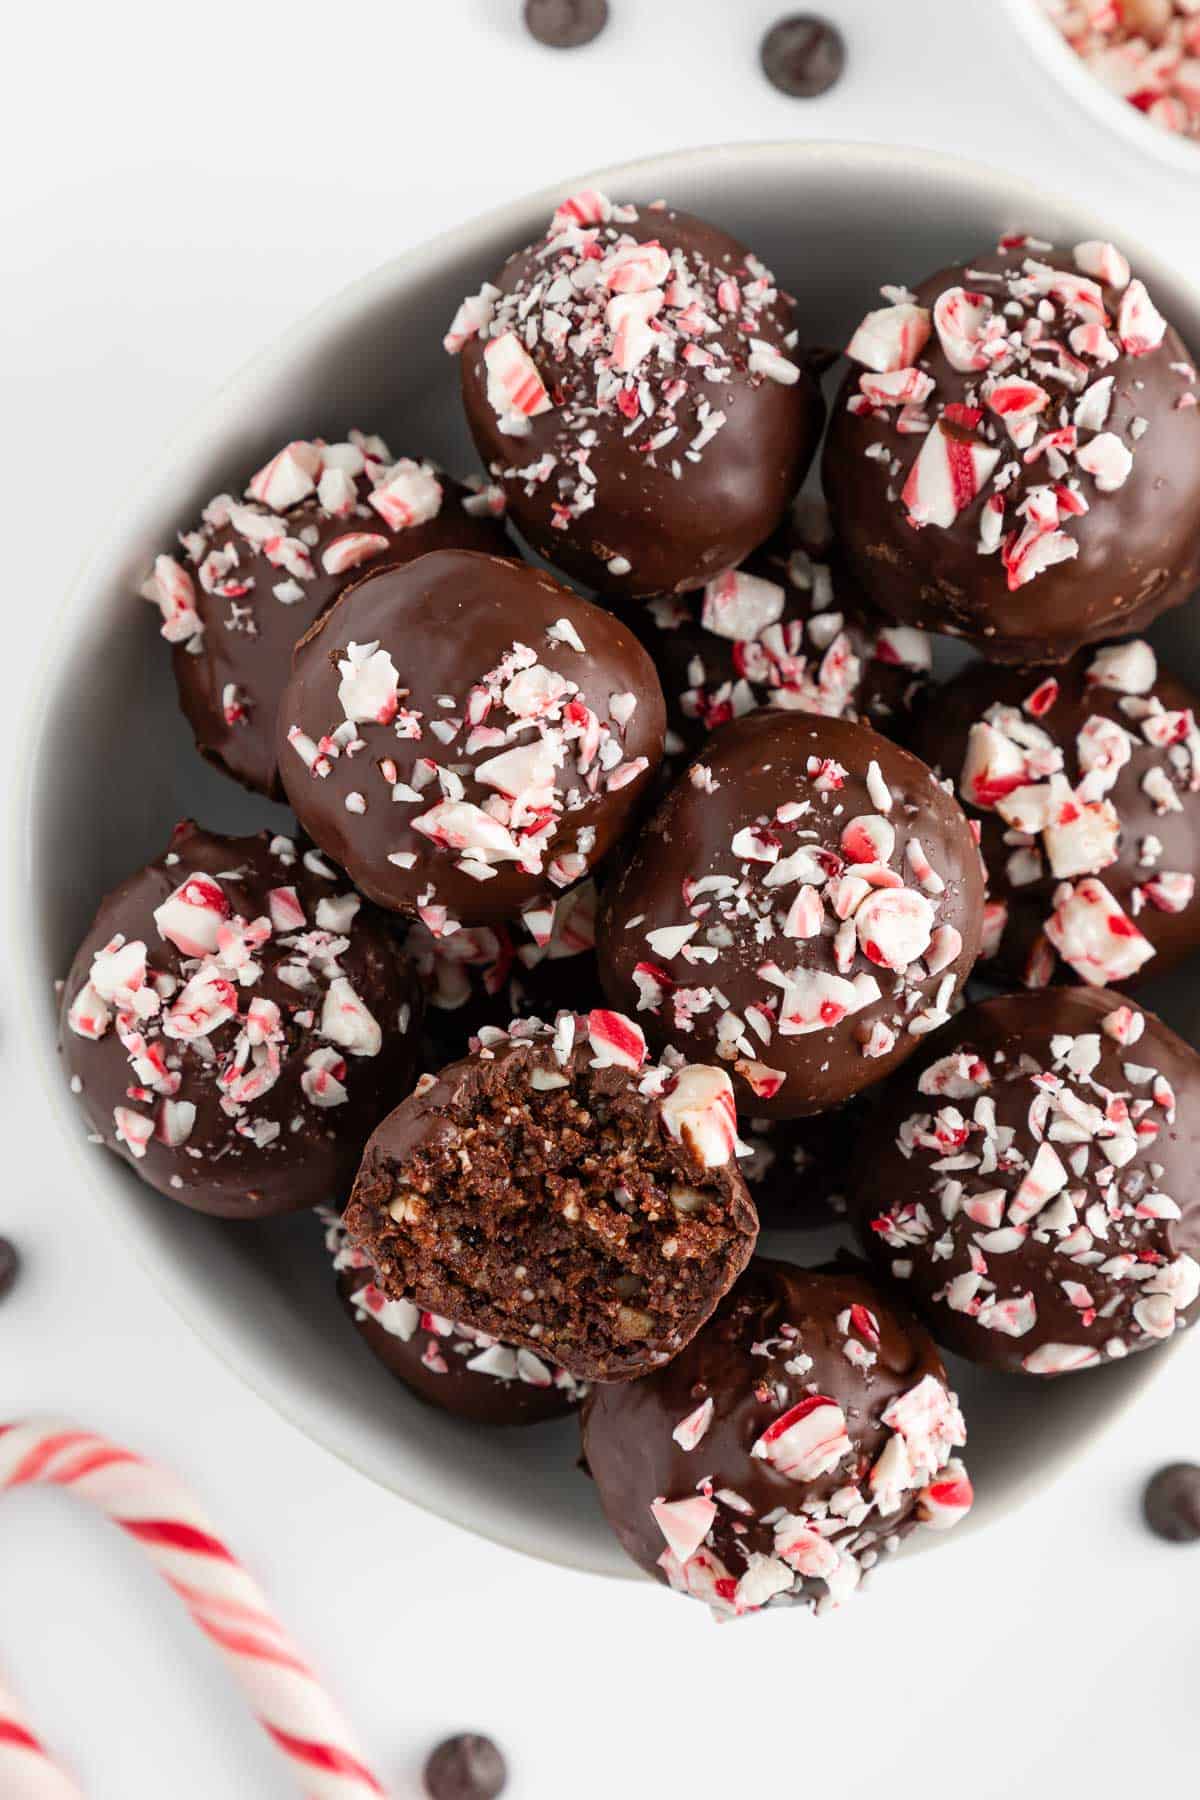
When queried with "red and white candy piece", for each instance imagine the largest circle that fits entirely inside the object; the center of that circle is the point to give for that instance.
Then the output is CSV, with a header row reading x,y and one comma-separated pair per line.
x,y
684,1523
289,477
699,1111
1018,403
192,916
515,390
948,474
1094,935
1102,261
806,1441
891,338
740,606
615,1040
947,1498
1140,326
154,1510
969,331
408,495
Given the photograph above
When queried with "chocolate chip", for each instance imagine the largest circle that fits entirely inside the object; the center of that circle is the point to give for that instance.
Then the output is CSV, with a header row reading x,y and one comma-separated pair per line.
x,y
1171,1503
466,1767
10,1264
803,55
566,24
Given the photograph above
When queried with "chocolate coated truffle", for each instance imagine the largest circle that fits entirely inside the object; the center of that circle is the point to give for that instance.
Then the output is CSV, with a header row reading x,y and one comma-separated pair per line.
x,y
803,906
1087,786
632,381
1031,1182
807,1426
555,1192
1016,458
256,573
464,736
236,1022
789,629
449,1366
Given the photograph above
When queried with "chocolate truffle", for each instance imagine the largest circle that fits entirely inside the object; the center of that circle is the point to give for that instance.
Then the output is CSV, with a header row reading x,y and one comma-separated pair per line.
x,y
464,735
1031,1182
256,573
236,1022
449,1366
1087,786
556,1192
789,629
633,383
1016,458
803,907
806,1427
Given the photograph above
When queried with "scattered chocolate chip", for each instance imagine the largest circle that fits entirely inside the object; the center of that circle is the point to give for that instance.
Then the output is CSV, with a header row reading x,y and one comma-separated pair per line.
x,y
566,24
10,1264
1171,1503
466,1767
803,55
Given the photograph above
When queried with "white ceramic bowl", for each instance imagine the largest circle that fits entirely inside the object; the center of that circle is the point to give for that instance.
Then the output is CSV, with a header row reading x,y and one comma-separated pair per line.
x,y
834,221
1067,70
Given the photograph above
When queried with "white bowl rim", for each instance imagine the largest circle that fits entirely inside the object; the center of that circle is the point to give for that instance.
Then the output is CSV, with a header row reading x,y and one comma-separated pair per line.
x,y
1108,109
39,1020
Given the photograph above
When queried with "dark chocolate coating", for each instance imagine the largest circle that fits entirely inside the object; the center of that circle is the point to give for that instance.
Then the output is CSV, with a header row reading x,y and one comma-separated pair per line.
x,y
448,622
1025,954
1096,1275
431,1355
250,633
676,515
1139,547
542,1197
798,1169
776,1315
758,765
312,1149
830,652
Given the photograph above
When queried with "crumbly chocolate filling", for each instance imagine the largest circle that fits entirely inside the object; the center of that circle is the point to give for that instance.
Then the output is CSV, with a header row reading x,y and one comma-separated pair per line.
x,y
550,1207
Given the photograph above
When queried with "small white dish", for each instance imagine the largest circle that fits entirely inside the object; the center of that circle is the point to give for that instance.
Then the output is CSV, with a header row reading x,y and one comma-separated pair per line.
x,y
834,221
1048,47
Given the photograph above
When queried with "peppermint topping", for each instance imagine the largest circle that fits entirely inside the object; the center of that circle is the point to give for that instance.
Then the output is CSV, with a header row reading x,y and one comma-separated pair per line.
x,y
784,641
827,933
1015,767
813,1545
606,333
508,768
290,516
1039,1186
1147,54
1025,444
189,1009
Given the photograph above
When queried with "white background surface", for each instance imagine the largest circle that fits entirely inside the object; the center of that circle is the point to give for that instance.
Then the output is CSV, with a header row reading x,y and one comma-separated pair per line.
x,y
179,183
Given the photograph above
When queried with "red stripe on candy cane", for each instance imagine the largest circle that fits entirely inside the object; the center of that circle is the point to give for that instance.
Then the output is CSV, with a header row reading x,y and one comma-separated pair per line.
x,y
154,1509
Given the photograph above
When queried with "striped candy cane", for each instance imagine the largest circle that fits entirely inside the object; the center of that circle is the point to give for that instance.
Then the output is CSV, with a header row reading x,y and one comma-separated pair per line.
x,y
26,1771
154,1509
